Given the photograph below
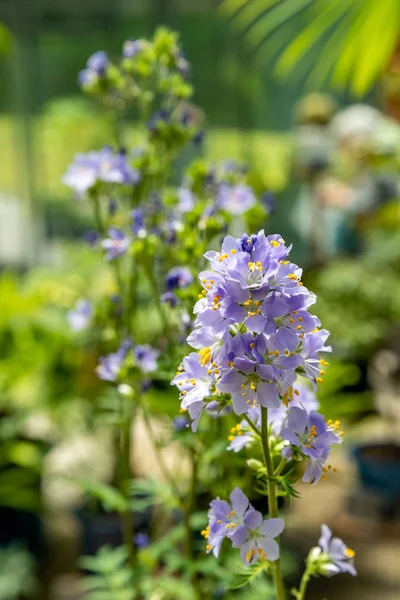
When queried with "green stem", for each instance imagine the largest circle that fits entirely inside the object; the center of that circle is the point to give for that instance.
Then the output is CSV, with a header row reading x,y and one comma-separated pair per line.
x,y
279,468
301,594
118,277
126,517
97,215
188,511
252,425
160,458
272,499
156,297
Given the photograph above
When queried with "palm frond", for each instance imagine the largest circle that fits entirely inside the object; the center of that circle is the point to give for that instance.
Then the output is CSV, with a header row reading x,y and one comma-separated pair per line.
x,y
346,42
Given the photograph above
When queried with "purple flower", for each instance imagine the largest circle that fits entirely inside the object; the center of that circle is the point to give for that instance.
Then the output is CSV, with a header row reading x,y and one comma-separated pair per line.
x,y
146,357
313,344
98,62
220,261
304,397
116,244
235,199
132,47
170,229
178,278
313,436
182,64
141,540
109,366
269,202
224,518
92,237
341,558
194,383
105,166
169,298
181,423
241,436
186,200
255,538
96,67
198,138
249,384
247,242
138,226
86,77
80,317
157,119
244,526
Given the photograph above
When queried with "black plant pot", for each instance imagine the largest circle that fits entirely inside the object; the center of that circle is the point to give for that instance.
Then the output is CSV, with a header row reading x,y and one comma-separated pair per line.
x,y
378,467
22,526
99,529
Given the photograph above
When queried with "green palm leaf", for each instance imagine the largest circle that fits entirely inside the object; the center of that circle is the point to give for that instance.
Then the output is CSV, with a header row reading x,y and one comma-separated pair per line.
x,y
347,42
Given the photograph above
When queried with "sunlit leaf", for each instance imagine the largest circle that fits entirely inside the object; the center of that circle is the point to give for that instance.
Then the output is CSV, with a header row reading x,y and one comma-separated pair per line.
x,y
358,37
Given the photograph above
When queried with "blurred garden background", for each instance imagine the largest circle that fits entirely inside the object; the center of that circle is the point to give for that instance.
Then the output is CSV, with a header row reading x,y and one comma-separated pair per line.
x,y
306,95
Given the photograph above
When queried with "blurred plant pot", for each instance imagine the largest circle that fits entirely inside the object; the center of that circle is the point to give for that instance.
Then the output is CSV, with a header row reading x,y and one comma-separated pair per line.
x,y
379,468
99,529
22,526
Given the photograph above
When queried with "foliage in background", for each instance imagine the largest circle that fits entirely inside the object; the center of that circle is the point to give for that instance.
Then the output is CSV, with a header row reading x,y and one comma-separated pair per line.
x,y
17,577
346,42
351,300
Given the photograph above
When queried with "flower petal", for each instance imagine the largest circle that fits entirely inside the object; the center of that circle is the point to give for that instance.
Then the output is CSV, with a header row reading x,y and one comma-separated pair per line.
x,y
270,547
272,527
239,501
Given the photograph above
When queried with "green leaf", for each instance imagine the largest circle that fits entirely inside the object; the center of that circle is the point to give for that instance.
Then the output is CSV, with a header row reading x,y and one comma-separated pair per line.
x,y
356,38
246,575
113,577
110,498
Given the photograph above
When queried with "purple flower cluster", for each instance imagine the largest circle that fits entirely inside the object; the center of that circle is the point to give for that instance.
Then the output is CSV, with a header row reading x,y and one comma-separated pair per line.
x,y
253,331
235,199
96,67
104,165
244,526
313,436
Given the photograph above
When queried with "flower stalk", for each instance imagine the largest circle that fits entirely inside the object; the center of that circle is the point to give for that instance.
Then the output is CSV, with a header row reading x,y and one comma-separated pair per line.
x,y
301,594
272,499
127,516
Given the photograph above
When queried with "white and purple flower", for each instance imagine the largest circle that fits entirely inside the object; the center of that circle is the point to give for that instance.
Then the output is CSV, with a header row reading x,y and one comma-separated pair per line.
x,y
334,556
104,166
109,366
79,317
96,67
244,526
235,199
178,278
133,47
116,244
146,357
